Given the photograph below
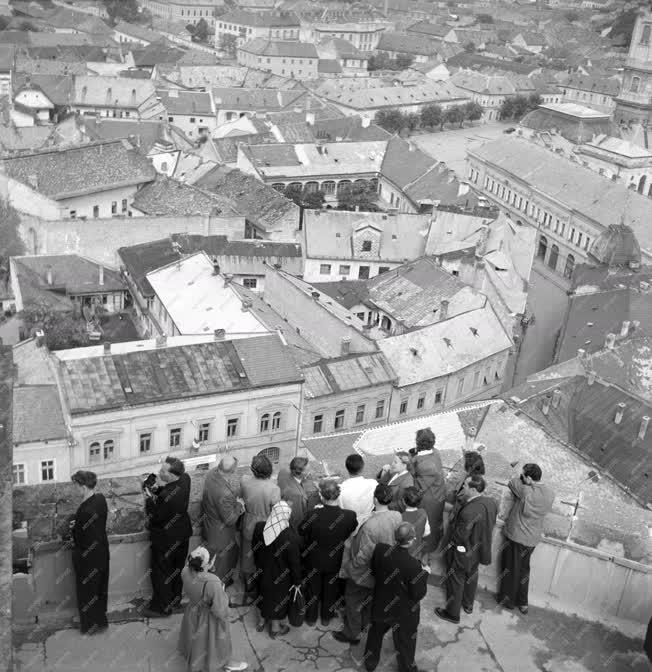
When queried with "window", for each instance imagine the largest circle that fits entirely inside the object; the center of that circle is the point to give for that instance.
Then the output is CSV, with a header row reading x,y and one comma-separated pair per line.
x,y
543,247
317,423
339,419
47,470
251,283
145,441
231,427
645,35
402,409
264,422
580,235
366,246
344,269
175,437
204,431
192,120
272,454
476,379
114,207
18,471
421,402
96,211
124,205
554,256
94,452
276,420
170,119
363,273
109,445
383,269
73,214
438,397
460,387
324,269
359,414
634,86
570,266
360,316
380,408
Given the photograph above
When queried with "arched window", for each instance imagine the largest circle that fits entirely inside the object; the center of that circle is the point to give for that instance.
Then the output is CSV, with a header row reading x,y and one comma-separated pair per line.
x,y
84,92
164,166
570,266
108,95
543,247
276,420
328,187
342,186
645,35
311,187
272,454
264,422
641,185
279,186
108,449
133,95
554,256
94,451
636,82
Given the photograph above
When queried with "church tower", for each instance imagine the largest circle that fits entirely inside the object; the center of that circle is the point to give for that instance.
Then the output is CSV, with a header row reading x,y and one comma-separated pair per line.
x,y
634,103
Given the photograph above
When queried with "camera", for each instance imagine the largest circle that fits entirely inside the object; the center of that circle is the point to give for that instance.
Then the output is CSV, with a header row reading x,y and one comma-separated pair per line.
x,y
149,485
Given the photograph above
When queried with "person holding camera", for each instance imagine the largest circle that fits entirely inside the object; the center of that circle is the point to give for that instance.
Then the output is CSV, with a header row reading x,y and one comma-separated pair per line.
x,y
530,502
170,531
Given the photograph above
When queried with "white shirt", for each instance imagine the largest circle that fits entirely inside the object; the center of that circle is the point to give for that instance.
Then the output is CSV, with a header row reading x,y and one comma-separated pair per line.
x,y
357,494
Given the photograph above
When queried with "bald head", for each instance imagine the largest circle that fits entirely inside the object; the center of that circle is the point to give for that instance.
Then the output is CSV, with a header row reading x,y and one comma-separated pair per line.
x,y
228,464
405,534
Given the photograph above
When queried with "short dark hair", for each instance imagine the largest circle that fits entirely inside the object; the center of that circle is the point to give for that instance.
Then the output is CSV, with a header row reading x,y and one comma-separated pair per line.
x,y
473,463
261,467
532,470
412,496
425,439
383,493
177,467
404,533
477,482
329,489
87,478
298,465
354,463
195,563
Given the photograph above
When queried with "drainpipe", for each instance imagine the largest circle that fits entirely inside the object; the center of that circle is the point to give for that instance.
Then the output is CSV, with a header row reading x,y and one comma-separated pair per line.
x,y
299,420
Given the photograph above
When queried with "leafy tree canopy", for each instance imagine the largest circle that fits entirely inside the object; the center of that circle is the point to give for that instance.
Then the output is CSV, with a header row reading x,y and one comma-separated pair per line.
x,y
63,329
360,196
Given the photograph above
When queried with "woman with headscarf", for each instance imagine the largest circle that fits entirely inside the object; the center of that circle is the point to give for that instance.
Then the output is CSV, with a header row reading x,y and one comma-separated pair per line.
x,y
205,637
428,473
398,478
277,553
259,495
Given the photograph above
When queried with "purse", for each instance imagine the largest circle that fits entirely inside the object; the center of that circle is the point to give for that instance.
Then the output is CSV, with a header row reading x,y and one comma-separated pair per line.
x,y
297,608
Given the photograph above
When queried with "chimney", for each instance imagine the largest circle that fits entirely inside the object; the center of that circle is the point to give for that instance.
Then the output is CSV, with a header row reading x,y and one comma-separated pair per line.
x,y
581,352
219,334
101,278
620,411
161,341
310,118
545,406
411,146
227,279
107,348
645,421
366,122
556,398
590,378
443,310
346,345
49,278
216,266
315,295
610,341
624,330
246,304
33,181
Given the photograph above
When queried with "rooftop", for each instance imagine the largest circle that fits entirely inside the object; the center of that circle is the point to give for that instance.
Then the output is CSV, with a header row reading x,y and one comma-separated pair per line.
x,y
137,31
609,86
575,123
37,414
478,82
278,48
446,347
101,91
256,99
85,169
199,301
261,19
410,43
186,102
95,384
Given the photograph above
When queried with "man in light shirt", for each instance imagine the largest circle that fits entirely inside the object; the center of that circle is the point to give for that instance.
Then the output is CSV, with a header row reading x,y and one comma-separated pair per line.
x,y
357,492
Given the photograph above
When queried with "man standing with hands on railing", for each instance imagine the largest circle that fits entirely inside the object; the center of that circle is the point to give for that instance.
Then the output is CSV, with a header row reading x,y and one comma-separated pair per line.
x,y
529,503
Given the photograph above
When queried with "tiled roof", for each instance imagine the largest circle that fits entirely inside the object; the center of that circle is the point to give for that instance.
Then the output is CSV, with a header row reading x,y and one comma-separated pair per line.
x,y
410,43
144,131
186,102
85,169
347,293
171,374
575,128
329,66
606,86
533,39
261,19
32,364
244,99
219,245
37,414
426,28
96,90
466,60
46,66
27,138
445,347
345,374
258,202
139,32
153,54
165,197
279,48
58,88
579,189
494,85
139,260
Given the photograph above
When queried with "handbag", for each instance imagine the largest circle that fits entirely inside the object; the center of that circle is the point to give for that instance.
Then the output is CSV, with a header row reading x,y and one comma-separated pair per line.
x,y
297,608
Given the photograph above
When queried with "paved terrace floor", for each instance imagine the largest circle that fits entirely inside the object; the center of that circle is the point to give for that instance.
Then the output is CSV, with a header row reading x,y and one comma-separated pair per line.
x,y
489,640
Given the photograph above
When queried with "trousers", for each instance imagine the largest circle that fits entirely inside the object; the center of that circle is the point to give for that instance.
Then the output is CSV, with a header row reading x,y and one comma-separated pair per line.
x,y
325,591
357,608
515,574
404,634
166,565
461,582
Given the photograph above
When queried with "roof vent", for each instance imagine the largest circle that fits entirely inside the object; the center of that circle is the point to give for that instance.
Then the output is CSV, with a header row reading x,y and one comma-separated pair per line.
x,y
610,341
556,398
590,378
620,411
545,406
645,421
315,295
220,334
107,348
414,352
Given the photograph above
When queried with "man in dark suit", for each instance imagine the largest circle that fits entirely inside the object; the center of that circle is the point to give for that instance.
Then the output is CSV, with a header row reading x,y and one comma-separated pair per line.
x,y
469,547
297,490
325,529
169,531
401,583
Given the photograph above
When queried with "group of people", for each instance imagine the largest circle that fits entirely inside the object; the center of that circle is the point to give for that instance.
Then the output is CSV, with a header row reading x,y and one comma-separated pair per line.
x,y
359,550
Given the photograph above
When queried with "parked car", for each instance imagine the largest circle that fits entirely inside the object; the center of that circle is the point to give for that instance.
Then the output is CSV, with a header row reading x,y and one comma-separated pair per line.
x,y
511,129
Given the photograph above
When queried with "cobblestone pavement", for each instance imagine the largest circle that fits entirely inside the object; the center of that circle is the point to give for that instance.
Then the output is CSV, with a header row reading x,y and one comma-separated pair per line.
x,y
489,640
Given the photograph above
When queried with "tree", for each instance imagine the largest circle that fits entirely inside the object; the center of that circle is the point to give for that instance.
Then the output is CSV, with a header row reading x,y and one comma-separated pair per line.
x,y
229,44
403,61
201,31
506,110
11,244
473,111
124,10
359,195
313,200
391,120
28,27
571,16
455,115
431,115
484,18
61,327
533,101
469,47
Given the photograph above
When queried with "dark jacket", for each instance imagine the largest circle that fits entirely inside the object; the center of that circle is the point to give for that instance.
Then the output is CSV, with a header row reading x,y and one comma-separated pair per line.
x,y
647,646
473,529
397,487
168,512
325,529
401,583
302,496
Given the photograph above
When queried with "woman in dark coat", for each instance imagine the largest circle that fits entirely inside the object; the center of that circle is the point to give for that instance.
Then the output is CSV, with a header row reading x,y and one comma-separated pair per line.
x,y
276,549
428,474
90,555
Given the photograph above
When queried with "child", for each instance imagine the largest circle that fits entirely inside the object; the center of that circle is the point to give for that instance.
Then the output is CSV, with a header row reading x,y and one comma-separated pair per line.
x,y
419,518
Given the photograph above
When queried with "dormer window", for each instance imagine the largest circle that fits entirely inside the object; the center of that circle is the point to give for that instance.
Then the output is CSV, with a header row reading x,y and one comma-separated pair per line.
x,y
645,35
366,246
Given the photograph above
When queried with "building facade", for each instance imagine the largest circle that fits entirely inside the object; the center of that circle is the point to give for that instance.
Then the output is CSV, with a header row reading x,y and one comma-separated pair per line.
x,y
244,26
298,60
188,11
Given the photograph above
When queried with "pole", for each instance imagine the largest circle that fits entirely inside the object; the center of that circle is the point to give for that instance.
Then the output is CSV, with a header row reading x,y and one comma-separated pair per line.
x,y
299,418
